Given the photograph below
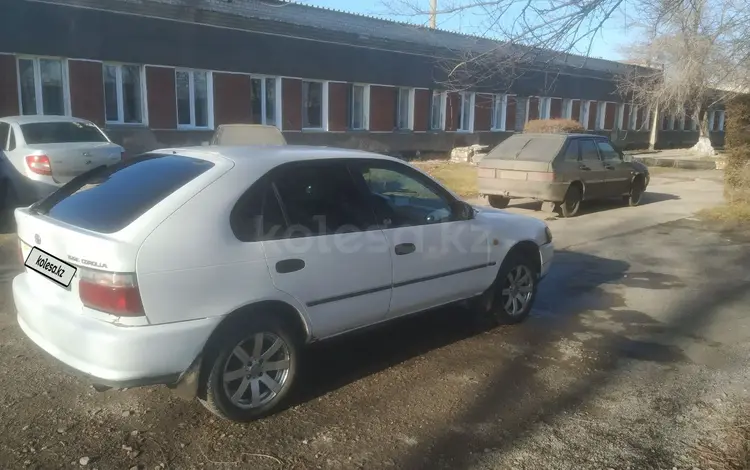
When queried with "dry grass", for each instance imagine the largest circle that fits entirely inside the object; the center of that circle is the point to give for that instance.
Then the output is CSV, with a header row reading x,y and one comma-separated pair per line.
x,y
461,178
738,212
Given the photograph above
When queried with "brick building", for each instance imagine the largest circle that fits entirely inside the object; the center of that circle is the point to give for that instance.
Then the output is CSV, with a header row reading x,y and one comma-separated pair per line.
x,y
181,67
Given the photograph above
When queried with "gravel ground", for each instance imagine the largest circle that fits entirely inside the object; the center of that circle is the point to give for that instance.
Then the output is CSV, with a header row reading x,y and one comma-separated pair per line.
x,y
635,357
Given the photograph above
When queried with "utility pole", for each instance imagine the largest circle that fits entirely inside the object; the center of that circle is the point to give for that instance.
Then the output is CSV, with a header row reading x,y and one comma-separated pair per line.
x,y
433,14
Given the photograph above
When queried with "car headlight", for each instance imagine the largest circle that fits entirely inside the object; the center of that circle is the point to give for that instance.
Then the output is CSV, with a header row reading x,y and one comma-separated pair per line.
x,y
548,235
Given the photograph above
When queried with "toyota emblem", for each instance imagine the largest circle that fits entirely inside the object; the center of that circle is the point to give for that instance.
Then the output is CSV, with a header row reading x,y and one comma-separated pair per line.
x,y
38,239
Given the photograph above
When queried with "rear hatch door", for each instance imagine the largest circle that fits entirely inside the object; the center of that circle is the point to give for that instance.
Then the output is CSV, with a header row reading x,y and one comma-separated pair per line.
x,y
98,221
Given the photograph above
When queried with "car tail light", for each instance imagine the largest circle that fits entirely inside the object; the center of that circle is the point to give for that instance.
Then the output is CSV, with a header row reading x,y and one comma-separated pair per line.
x,y
39,164
539,176
115,293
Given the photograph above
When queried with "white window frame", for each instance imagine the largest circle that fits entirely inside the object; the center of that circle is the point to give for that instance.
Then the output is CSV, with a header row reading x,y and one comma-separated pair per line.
x,y
443,101
670,122
722,118
500,101
620,116
584,113
323,107
567,108
191,90
118,85
545,107
365,108
471,102
264,102
38,83
410,106
601,114
633,118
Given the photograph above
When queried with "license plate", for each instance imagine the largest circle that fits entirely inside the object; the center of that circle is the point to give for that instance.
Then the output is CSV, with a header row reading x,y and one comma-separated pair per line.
x,y
50,266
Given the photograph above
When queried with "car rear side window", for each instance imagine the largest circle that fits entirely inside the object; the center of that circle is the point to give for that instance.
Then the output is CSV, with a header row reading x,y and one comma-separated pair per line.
x,y
108,199
4,130
320,199
571,152
61,132
588,151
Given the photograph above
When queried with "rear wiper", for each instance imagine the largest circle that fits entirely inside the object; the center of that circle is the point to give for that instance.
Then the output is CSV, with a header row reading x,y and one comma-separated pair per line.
x,y
515,157
44,205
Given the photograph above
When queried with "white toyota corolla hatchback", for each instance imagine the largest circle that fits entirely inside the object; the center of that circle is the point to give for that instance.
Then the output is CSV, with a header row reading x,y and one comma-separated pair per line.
x,y
208,269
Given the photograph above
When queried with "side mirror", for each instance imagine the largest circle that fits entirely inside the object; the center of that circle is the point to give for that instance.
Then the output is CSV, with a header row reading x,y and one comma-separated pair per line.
x,y
462,210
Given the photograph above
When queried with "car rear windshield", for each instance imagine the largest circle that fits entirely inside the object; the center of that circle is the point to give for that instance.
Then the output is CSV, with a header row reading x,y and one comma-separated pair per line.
x,y
108,199
527,148
61,132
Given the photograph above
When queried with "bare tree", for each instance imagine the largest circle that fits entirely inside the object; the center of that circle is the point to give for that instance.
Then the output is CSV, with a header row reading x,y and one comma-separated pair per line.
x,y
696,52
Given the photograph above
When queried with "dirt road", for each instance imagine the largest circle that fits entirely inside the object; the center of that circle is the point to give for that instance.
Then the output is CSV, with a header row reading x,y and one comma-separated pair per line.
x,y
636,356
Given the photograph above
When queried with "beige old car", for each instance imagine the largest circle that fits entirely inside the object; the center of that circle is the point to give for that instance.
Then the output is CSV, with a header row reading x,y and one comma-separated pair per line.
x,y
561,170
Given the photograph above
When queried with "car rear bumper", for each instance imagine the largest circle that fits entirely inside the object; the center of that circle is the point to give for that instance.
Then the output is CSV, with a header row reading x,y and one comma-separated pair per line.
x,y
546,253
543,191
105,353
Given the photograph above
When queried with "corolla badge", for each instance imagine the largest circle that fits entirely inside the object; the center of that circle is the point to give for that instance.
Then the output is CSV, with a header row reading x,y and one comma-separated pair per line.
x,y
37,239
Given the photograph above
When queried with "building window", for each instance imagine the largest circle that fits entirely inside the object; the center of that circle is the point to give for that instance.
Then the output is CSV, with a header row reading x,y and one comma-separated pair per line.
x,y
123,94
312,105
263,100
43,86
404,108
466,121
437,110
358,106
499,111
194,102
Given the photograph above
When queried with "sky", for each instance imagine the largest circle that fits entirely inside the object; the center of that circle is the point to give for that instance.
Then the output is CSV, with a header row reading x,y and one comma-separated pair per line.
x,y
606,46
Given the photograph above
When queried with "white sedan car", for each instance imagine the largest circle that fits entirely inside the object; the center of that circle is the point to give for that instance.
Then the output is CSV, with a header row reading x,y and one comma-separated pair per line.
x,y
38,154
208,269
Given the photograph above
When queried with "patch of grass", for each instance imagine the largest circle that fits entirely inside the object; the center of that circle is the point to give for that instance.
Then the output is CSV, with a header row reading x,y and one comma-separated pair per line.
x,y
738,213
461,178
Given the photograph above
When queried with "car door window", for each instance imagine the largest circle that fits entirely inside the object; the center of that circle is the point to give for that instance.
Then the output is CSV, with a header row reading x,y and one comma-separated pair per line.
x,y
318,199
589,153
609,154
571,152
4,130
403,198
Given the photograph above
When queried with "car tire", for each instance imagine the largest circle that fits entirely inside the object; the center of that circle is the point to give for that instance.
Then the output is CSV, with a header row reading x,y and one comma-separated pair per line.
x,y
572,202
514,290
239,384
498,202
636,193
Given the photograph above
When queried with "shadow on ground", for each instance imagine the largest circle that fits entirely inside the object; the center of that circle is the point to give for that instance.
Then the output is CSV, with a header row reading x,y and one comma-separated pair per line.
x,y
590,207
516,399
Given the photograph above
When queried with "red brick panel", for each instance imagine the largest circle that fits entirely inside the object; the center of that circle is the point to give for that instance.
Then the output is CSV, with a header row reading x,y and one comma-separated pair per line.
x,y
337,103
86,90
422,100
483,112
231,99
555,108
382,108
510,114
639,119
593,105
452,112
8,86
533,108
291,97
626,117
610,112
575,110
162,100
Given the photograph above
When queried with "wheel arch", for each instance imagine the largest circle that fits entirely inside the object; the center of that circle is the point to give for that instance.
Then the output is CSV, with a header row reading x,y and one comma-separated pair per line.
x,y
580,184
529,250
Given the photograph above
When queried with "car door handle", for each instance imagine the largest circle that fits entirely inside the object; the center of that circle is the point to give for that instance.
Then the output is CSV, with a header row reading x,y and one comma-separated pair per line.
x,y
584,167
609,167
405,248
289,265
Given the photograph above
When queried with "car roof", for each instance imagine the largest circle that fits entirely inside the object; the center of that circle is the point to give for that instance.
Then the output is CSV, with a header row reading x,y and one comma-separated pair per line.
x,y
40,118
269,156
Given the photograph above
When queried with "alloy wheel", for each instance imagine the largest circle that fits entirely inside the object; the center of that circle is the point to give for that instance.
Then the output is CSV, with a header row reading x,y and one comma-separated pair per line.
x,y
518,287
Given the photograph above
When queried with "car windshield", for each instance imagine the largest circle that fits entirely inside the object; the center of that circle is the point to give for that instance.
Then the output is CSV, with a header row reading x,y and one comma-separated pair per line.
x,y
528,148
108,199
61,132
